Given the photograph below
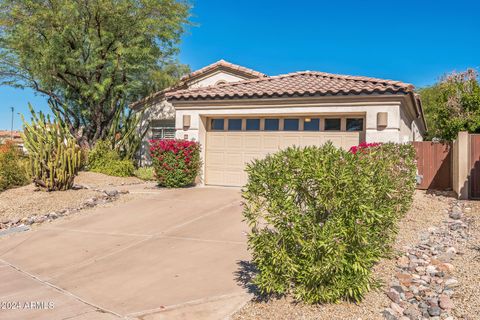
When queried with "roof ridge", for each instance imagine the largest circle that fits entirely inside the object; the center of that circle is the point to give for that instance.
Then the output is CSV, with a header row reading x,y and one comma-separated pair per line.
x,y
355,78
226,64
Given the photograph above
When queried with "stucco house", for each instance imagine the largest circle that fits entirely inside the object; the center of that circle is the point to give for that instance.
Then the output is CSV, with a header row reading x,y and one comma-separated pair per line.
x,y
238,114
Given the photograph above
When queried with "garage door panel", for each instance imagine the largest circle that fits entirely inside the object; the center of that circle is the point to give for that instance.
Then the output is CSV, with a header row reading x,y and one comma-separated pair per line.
x,y
290,140
214,176
216,158
271,142
249,157
234,159
216,140
310,140
234,178
227,153
252,142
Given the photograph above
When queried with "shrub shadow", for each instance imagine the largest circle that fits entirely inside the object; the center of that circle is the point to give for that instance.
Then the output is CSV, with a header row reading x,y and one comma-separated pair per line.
x,y
244,277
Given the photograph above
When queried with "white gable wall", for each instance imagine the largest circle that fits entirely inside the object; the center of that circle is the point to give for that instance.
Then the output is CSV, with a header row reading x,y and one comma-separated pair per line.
x,y
213,79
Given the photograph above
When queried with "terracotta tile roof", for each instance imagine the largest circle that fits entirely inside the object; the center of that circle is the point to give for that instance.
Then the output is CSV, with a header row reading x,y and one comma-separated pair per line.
x,y
222,64
185,80
7,135
305,83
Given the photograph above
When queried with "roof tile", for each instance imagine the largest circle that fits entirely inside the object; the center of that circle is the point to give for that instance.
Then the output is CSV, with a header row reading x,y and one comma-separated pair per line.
x,y
305,83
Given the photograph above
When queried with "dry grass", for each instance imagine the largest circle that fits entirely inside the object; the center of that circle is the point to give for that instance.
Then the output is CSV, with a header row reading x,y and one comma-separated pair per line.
x,y
427,210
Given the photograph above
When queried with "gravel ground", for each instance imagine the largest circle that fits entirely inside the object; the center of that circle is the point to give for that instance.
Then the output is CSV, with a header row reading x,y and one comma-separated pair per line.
x,y
428,210
26,201
467,268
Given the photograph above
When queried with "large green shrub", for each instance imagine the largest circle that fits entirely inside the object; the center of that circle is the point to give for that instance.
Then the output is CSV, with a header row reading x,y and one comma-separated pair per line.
x,y
104,160
12,167
176,162
321,217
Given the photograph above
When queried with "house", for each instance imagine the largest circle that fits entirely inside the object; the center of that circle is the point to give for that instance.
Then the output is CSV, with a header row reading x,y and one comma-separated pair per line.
x,y
238,114
15,136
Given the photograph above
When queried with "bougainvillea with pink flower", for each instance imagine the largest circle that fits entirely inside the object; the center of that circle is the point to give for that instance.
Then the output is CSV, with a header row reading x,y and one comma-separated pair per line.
x,y
176,162
363,147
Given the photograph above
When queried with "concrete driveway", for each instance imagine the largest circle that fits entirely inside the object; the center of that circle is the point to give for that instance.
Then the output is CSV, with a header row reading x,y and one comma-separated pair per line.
x,y
174,255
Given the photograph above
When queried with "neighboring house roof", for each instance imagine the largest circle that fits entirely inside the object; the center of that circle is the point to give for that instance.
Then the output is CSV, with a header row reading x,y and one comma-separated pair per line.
x,y
305,83
7,135
220,65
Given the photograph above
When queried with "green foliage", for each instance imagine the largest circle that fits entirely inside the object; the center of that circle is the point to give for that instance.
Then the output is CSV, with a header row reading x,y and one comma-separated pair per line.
x,y
145,173
124,136
91,58
321,217
104,160
176,162
452,105
12,167
55,157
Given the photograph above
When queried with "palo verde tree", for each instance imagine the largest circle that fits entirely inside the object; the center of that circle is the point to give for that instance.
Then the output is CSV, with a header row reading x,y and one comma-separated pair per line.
x,y
91,57
452,105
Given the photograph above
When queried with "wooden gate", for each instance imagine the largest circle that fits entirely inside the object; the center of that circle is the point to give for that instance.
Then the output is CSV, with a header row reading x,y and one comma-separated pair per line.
x,y
434,165
474,166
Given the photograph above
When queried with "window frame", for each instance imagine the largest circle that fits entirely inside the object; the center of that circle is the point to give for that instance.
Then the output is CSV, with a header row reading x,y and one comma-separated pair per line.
x,y
210,124
313,118
259,124
356,118
227,128
299,127
332,118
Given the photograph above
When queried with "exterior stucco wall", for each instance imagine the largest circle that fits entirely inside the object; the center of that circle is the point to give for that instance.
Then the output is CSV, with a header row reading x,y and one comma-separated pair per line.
x,y
212,79
160,111
416,134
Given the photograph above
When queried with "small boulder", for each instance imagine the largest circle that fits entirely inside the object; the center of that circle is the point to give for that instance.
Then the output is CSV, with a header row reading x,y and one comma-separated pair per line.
x,y
389,314
456,213
434,311
451,283
396,308
394,296
445,302
111,193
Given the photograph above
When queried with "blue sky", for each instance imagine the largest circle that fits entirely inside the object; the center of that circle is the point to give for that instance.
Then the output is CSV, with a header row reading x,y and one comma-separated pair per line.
x,y
412,41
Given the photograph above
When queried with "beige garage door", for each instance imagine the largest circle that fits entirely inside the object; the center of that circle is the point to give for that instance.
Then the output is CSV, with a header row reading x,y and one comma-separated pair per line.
x,y
227,151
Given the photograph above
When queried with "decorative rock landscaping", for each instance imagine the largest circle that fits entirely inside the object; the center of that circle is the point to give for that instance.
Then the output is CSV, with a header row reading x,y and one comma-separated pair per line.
x,y
424,284
104,196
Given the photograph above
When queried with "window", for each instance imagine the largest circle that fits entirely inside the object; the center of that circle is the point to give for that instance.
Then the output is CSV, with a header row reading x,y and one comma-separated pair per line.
x,y
217,124
311,124
163,129
234,124
332,124
272,124
354,124
253,124
220,82
291,124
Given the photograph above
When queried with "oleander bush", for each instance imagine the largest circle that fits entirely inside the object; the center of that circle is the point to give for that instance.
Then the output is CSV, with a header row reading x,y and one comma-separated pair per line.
x,y
321,217
176,162
13,171
145,173
103,159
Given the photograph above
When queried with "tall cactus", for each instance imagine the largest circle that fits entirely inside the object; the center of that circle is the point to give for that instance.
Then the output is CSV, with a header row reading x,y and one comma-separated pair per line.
x,y
55,157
